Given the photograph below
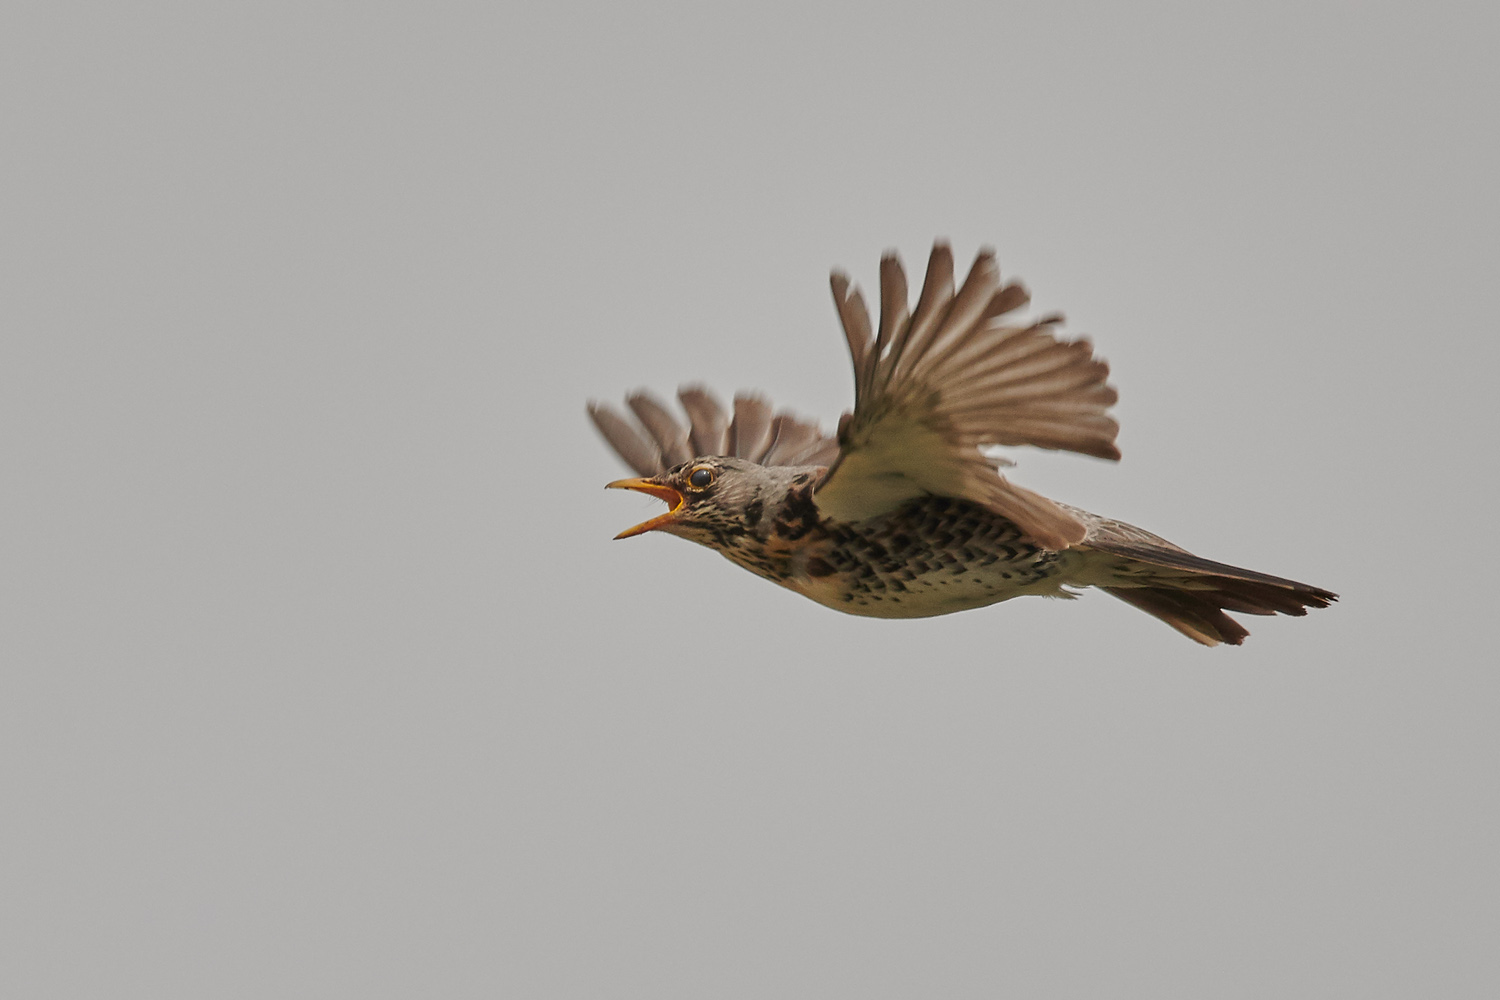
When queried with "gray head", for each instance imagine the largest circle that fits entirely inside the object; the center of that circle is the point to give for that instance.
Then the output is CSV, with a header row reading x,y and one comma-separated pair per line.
x,y
714,495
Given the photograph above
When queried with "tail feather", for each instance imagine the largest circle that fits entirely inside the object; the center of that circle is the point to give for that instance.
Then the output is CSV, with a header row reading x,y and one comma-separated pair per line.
x,y
1191,593
1194,613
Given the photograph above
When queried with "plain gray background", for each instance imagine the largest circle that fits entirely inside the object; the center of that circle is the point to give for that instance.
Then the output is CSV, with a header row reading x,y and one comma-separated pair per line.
x,y
322,676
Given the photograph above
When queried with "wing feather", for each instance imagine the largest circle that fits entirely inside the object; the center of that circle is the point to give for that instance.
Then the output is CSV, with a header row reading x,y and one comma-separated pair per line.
x,y
894,311
934,386
793,438
626,439
932,301
670,436
709,433
855,319
750,432
657,441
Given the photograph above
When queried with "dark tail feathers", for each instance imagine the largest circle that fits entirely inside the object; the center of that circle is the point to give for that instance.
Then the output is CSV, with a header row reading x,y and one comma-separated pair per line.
x,y
1191,594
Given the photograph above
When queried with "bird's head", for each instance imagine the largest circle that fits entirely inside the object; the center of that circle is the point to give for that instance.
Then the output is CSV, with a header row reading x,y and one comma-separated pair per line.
x,y
704,497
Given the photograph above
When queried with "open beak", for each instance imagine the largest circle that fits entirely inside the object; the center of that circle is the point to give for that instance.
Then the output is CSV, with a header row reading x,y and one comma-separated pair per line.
x,y
673,498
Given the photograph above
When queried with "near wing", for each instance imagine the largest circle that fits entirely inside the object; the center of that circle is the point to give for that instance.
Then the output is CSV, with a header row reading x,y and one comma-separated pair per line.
x,y
660,441
932,387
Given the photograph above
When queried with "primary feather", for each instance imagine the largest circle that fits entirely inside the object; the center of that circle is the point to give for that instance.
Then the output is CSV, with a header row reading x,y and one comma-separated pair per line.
x,y
935,386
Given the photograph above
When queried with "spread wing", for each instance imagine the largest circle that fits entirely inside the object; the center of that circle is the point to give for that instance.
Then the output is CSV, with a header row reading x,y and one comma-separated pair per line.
x,y
656,441
934,385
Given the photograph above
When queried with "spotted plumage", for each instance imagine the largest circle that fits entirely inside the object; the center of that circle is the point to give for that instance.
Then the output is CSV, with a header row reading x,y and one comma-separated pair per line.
x,y
903,514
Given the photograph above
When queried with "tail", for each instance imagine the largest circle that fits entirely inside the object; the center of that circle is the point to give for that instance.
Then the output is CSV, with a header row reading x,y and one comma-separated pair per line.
x,y
1190,593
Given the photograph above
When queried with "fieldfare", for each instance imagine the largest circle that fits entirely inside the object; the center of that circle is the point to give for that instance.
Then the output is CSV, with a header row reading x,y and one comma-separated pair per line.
x,y
904,512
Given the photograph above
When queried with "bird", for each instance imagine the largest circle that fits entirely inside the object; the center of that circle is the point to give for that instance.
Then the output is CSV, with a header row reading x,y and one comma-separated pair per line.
x,y
904,511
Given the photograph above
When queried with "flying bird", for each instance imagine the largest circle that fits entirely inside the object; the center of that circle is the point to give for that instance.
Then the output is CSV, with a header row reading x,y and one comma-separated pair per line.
x,y
904,512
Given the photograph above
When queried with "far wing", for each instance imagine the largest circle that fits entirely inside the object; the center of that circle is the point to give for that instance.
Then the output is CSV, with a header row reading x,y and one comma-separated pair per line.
x,y
657,440
934,386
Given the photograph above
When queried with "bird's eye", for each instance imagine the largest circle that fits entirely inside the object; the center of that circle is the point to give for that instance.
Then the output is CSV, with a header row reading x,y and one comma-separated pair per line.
x,y
701,478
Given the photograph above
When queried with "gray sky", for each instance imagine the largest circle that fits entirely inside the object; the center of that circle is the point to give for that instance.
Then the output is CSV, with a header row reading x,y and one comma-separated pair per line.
x,y
322,676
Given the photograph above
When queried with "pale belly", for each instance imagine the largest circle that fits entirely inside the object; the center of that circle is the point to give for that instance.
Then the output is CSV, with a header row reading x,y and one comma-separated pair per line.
x,y
926,595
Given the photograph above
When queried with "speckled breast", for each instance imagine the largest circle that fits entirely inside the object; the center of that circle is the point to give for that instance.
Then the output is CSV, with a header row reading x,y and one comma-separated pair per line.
x,y
931,556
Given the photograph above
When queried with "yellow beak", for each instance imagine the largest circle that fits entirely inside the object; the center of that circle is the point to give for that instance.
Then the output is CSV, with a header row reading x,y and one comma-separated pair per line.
x,y
674,500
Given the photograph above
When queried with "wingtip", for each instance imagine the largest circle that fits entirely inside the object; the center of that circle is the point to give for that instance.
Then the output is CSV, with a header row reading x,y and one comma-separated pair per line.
x,y
985,269
696,389
597,409
936,284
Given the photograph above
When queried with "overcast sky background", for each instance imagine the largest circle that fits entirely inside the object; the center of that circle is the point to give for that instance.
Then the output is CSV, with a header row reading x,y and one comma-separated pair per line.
x,y
320,674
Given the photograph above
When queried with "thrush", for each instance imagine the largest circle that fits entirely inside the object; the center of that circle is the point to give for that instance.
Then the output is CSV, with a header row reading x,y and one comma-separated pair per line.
x,y
904,512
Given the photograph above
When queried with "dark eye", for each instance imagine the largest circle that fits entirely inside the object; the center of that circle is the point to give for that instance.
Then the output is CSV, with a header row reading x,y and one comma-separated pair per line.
x,y
701,478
